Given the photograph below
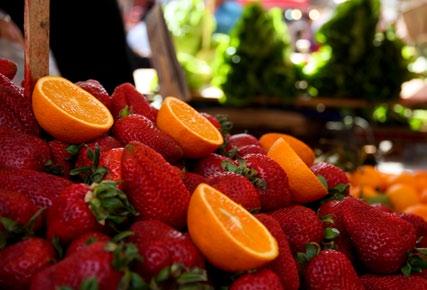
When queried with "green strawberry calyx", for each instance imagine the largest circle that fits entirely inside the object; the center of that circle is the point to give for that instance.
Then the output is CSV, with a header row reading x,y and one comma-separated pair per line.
x,y
416,261
244,170
311,250
109,204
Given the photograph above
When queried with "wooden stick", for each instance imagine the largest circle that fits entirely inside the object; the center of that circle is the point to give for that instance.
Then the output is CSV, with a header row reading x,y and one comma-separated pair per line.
x,y
36,26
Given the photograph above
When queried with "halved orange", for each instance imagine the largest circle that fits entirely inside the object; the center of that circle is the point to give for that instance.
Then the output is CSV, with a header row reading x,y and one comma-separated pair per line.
x,y
67,112
302,149
196,135
304,184
229,236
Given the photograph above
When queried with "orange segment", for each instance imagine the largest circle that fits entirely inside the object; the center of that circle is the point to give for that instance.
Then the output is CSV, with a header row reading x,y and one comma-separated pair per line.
x,y
196,135
229,236
68,112
302,149
305,186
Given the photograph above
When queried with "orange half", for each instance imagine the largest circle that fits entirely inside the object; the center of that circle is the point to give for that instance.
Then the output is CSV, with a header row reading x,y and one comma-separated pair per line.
x,y
67,112
302,149
196,135
230,237
304,184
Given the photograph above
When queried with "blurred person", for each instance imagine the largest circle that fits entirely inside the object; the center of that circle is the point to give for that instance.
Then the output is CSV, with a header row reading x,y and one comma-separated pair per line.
x,y
226,14
87,39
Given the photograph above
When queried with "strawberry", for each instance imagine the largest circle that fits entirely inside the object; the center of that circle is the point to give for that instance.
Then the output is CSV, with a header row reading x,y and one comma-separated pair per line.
x,y
212,165
240,140
212,119
12,97
97,90
261,280
192,180
250,149
141,129
112,161
87,163
333,175
238,188
381,240
153,186
60,158
101,261
393,282
420,226
9,120
301,225
284,265
17,207
126,95
22,151
85,240
276,192
8,68
19,262
160,246
40,187
82,208
331,270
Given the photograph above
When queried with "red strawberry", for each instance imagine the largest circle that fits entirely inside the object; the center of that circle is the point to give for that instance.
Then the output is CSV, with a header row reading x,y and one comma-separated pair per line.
x,y
8,68
301,225
40,187
60,158
332,174
381,240
85,240
153,186
276,193
17,207
250,149
393,282
81,208
9,120
212,119
126,95
240,140
192,180
104,143
22,151
212,165
420,226
331,270
94,261
112,161
141,129
13,98
19,262
238,188
332,211
261,280
160,246
97,90
284,265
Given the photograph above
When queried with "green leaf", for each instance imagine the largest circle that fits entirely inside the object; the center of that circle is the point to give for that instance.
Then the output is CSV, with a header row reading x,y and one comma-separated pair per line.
x,y
74,149
9,225
406,270
124,112
322,181
328,219
121,236
331,233
29,226
89,284
64,288
79,170
311,250
58,247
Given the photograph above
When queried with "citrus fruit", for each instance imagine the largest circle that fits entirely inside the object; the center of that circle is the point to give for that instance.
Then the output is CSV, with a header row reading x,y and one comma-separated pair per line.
x,y
403,178
367,192
67,112
196,135
230,237
302,149
368,176
418,209
402,196
305,186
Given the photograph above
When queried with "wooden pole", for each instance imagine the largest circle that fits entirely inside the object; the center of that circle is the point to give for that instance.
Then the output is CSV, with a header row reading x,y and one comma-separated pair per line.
x,y
36,26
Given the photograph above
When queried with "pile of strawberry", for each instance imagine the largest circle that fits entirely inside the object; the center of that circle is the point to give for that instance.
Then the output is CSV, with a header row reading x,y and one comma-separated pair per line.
x,y
111,214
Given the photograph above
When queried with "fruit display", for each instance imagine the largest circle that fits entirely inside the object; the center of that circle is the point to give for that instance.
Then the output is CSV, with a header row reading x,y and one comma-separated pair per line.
x,y
112,193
